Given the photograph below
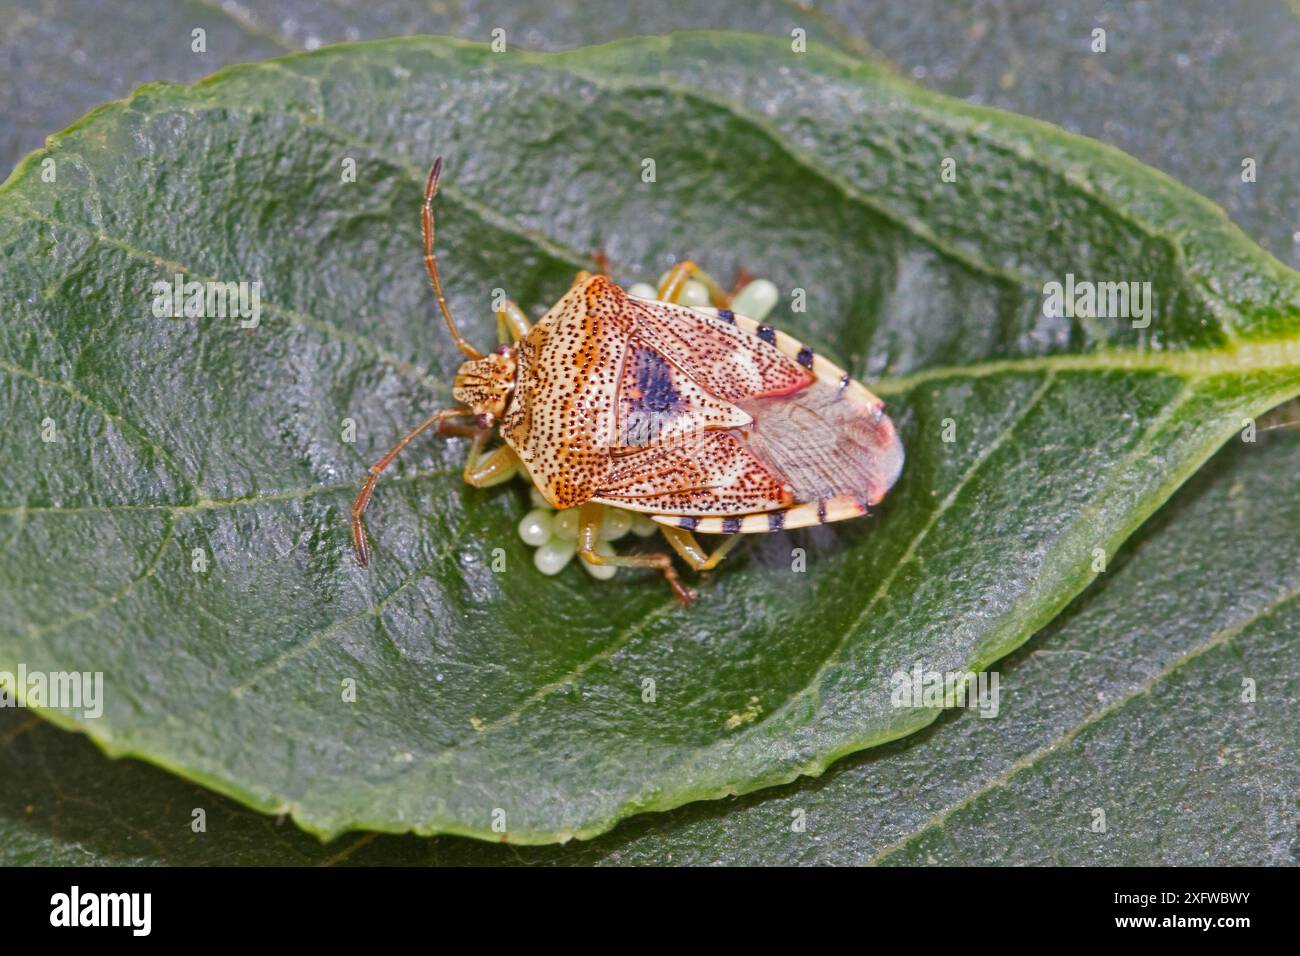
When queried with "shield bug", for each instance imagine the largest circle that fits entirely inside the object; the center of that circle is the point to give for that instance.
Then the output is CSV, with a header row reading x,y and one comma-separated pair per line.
x,y
697,416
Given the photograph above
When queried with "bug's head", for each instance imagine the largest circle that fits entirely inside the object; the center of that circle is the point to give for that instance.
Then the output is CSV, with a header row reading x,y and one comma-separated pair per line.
x,y
485,384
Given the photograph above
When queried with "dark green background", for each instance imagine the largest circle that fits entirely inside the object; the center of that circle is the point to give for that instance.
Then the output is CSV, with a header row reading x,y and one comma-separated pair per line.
x,y
1190,88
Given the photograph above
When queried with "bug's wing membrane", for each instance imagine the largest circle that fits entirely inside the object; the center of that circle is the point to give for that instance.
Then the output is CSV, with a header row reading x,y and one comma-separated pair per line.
x,y
725,361
711,474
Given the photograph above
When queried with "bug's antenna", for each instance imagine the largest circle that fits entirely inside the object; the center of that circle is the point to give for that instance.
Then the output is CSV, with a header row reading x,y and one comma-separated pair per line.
x,y
431,261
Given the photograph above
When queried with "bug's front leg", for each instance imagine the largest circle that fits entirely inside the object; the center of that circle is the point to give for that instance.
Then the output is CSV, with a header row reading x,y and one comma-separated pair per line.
x,y
512,324
485,470
590,516
692,552
359,542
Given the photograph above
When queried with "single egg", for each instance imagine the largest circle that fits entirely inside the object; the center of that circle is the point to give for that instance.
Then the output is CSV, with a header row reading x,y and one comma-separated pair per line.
x,y
756,299
565,524
552,556
535,528
615,524
643,525
693,293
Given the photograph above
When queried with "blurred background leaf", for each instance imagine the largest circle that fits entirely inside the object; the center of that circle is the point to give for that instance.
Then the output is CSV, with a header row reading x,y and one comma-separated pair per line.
x,y
1191,91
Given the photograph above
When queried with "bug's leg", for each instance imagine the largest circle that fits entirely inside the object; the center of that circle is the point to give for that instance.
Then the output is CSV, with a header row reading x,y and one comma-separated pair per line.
x,y
485,470
512,324
671,288
673,283
458,431
359,542
692,553
590,516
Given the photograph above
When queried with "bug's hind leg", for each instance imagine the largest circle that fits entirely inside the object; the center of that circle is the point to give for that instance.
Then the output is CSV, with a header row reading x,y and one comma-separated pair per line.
x,y
685,544
590,516
485,470
670,289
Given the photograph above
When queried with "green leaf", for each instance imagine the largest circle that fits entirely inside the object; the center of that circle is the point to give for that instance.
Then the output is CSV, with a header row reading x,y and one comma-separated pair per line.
x,y
478,691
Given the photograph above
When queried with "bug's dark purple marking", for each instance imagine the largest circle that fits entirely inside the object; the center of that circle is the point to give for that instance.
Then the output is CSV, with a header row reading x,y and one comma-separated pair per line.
x,y
690,524
726,315
730,525
767,334
821,511
776,520
654,380
844,382
805,357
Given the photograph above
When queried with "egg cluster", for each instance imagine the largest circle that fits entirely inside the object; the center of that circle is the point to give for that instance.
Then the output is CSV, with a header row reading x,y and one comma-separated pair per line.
x,y
755,300
555,533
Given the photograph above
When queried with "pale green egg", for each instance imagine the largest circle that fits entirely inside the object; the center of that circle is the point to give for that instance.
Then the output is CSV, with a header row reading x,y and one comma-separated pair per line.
x,y
693,294
756,299
552,556
565,524
643,525
615,524
536,527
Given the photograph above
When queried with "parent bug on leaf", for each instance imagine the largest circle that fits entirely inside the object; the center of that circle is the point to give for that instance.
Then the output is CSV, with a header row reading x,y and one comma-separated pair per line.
x,y
703,419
